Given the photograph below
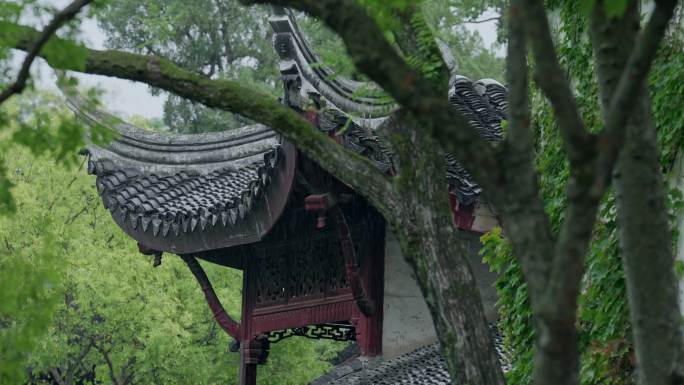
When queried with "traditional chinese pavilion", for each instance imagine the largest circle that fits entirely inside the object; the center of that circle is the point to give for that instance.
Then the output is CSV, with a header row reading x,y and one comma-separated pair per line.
x,y
314,254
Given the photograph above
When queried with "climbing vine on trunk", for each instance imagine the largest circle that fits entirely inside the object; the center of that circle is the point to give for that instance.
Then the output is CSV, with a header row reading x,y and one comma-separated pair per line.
x,y
603,317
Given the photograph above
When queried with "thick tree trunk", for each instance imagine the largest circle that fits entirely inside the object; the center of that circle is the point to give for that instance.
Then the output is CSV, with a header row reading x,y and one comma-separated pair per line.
x,y
432,246
552,277
645,238
553,290
449,287
645,247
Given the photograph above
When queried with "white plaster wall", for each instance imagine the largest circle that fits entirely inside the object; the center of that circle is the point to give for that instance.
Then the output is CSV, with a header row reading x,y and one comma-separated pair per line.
x,y
407,322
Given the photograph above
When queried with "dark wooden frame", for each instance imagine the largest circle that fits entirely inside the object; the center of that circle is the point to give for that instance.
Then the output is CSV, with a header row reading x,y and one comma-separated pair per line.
x,y
333,307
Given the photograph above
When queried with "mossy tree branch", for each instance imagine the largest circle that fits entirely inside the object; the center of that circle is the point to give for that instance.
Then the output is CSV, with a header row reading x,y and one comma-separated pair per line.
x,y
379,60
61,18
224,95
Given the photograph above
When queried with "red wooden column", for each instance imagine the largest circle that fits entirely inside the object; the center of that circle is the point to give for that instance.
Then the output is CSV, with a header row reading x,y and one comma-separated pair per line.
x,y
248,356
369,329
248,372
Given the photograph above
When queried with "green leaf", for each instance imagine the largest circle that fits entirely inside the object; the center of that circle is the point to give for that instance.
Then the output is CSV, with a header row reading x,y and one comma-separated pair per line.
x,y
586,6
615,8
63,54
7,203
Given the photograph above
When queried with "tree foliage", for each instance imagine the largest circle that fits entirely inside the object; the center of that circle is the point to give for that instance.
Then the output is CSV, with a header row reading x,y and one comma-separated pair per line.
x,y
76,295
474,60
222,39
606,342
218,38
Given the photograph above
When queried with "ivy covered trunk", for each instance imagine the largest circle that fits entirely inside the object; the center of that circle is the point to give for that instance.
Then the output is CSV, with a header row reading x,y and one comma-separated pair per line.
x,y
645,246
432,246
645,237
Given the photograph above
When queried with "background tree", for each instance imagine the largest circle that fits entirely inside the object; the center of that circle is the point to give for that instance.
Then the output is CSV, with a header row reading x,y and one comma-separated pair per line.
x,y
217,38
31,254
222,40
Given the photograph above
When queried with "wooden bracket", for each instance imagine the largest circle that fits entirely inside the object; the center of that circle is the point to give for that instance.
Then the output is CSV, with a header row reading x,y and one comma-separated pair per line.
x,y
363,302
320,203
144,250
228,324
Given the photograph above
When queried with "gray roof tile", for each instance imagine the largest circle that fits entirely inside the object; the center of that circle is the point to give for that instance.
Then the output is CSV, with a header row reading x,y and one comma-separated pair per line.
x,y
177,185
358,113
423,366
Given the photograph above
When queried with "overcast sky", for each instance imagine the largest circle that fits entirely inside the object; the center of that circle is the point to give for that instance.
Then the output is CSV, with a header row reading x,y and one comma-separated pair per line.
x,y
126,98
130,98
123,97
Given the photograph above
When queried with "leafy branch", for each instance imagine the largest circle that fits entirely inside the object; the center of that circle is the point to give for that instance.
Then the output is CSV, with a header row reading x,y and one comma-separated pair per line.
x,y
220,94
57,22
480,21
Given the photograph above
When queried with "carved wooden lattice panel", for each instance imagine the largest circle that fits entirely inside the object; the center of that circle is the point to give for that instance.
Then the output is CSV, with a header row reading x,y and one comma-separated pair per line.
x,y
335,332
270,280
308,266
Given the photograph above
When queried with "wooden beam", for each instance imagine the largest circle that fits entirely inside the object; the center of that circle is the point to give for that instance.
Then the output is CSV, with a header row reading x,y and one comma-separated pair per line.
x,y
228,324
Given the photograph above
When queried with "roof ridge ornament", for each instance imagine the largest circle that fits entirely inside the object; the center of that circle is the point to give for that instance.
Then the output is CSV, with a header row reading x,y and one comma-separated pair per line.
x,y
304,74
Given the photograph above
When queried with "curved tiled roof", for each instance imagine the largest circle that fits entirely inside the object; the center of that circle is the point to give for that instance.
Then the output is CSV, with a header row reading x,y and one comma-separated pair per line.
x,y
482,102
363,100
190,193
423,366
